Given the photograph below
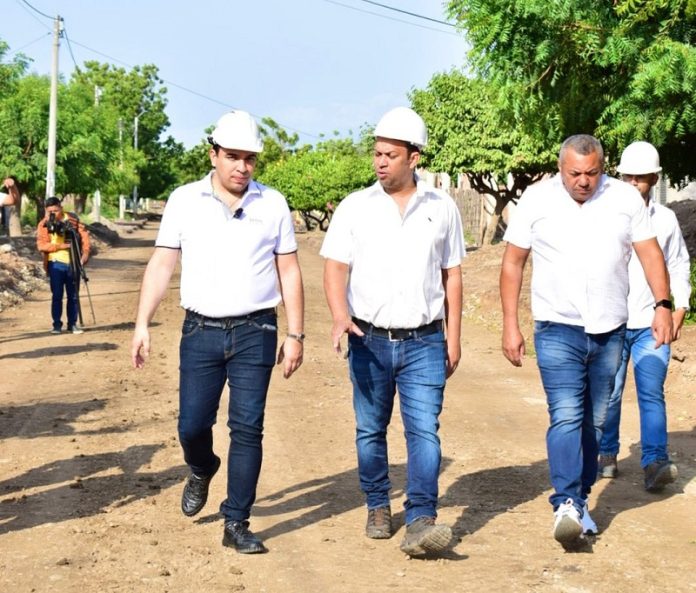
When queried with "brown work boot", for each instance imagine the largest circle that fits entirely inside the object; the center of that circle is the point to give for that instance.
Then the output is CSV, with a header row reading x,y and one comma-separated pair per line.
x,y
379,523
423,536
658,474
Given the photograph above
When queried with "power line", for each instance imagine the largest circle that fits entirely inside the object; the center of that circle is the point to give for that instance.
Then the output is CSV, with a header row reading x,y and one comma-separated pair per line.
x,y
36,10
72,55
32,15
413,14
15,51
383,16
183,88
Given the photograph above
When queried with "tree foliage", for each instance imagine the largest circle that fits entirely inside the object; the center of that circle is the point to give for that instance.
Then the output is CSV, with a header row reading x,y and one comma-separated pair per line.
x,y
469,133
315,180
623,70
95,132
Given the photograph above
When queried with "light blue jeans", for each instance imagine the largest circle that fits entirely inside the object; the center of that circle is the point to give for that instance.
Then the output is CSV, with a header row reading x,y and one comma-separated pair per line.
x,y
416,368
577,371
649,370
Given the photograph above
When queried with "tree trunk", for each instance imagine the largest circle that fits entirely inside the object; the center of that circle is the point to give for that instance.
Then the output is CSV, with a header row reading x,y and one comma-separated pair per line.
x,y
489,231
15,226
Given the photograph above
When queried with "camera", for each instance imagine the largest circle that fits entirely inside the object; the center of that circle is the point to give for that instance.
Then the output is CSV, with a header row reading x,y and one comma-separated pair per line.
x,y
56,226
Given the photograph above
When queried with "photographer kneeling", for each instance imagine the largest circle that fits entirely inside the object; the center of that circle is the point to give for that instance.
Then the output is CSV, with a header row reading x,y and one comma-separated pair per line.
x,y
64,242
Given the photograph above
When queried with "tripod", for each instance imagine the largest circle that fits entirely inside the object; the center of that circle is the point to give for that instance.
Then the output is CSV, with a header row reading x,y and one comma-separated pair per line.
x,y
78,269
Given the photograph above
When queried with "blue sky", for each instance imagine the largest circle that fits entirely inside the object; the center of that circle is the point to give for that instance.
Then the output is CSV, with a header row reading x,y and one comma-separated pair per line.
x,y
315,66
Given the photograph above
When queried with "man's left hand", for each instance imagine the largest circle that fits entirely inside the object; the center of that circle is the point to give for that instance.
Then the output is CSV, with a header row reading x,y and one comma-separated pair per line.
x,y
454,354
662,329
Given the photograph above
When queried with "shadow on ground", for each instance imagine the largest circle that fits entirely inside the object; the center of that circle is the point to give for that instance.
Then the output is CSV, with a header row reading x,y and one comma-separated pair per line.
x,y
71,488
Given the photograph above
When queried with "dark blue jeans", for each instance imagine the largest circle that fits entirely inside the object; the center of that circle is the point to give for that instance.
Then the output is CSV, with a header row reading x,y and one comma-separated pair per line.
x,y
577,371
243,356
62,281
416,368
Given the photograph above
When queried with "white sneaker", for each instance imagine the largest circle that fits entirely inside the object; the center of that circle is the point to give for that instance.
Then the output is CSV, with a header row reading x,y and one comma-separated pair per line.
x,y
567,527
588,525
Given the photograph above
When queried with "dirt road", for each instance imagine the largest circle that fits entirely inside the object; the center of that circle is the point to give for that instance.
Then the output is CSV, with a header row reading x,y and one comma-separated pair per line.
x,y
91,471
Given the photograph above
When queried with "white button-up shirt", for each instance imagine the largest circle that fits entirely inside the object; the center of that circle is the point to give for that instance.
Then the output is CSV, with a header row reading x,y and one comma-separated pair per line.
x,y
640,297
227,262
580,254
396,262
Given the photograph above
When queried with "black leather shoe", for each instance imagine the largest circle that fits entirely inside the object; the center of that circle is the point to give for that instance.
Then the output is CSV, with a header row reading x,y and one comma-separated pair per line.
x,y
238,536
195,492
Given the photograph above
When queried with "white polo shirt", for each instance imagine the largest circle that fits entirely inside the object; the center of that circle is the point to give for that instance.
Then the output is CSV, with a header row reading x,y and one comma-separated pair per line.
x,y
640,298
580,254
396,263
227,263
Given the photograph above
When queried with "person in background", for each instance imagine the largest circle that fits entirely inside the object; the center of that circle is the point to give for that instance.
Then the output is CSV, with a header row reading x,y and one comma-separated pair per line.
x,y
10,198
393,283
53,238
580,226
640,166
238,261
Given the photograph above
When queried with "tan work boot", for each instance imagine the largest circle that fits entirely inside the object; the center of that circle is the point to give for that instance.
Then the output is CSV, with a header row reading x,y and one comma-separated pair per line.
x,y
423,536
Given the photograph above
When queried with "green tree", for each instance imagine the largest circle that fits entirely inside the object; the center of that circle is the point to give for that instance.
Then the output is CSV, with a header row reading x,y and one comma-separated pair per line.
x,y
623,70
278,144
138,93
315,180
24,138
469,133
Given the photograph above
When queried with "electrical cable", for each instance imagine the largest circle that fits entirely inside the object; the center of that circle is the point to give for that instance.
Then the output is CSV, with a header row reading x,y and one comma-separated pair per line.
x,y
37,10
183,88
15,51
413,14
72,55
383,16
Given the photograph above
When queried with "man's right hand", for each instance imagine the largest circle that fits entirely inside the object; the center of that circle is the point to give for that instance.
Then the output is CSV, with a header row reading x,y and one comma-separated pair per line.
x,y
140,347
340,327
513,345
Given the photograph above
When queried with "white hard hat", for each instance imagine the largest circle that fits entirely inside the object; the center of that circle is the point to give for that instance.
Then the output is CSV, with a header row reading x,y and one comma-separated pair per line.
x,y
639,158
402,123
237,129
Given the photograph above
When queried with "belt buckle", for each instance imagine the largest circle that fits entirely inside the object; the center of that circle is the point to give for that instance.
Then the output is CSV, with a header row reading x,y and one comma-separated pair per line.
x,y
392,338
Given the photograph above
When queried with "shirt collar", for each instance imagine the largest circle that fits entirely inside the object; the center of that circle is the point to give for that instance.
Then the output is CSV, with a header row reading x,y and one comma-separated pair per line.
x,y
253,189
602,186
421,187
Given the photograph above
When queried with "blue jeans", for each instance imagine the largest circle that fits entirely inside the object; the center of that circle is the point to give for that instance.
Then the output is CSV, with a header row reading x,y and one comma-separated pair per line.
x,y
416,367
243,356
62,281
577,371
649,371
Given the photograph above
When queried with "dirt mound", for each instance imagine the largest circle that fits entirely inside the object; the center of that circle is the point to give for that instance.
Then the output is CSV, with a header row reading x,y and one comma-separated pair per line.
x,y
19,276
686,215
21,265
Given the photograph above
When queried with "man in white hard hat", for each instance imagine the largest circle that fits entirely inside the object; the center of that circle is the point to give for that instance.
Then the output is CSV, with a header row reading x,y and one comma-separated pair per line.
x,y
640,166
238,261
393,283
580,226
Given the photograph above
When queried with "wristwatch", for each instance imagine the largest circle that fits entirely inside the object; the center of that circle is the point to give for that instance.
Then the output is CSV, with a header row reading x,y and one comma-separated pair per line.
x,y
666,303
299,337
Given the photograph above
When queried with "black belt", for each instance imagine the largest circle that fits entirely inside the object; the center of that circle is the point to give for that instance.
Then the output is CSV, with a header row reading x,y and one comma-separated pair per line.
x,y
226,322
399,334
